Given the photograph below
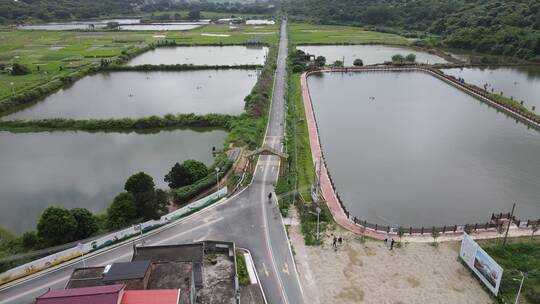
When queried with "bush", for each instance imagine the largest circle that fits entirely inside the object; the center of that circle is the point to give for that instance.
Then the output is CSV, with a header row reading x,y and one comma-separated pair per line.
x,y
19,69
186,193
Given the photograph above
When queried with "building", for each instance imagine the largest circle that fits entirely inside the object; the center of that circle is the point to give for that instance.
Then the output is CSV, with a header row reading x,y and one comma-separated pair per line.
x,y
111,294
203,272
160,296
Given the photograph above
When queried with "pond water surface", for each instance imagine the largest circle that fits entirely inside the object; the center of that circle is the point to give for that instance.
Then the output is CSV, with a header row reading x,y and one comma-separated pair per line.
x,y
520,82
76,25
141,94
370,54
203,55
79,169
423,153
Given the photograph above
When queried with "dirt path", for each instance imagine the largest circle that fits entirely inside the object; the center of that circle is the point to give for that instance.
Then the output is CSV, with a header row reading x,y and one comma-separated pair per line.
x,y
367,272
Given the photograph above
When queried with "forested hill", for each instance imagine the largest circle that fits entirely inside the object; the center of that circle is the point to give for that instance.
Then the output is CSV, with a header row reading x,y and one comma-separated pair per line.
x,y
509,27
46,10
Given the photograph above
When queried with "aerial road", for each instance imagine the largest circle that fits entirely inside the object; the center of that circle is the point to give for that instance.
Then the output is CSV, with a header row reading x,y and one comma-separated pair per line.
x,y
248,218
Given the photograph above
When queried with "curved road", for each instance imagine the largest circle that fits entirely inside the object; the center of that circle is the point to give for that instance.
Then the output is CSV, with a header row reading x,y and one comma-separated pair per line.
x,y
246,219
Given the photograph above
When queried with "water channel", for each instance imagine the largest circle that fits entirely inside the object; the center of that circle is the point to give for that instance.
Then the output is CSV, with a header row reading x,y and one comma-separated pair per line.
x,y
141,94
79,169
408,149
370,54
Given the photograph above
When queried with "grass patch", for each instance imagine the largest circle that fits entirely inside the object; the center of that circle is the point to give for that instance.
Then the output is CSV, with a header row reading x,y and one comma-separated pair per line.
x,y
334,34
520,254
243,275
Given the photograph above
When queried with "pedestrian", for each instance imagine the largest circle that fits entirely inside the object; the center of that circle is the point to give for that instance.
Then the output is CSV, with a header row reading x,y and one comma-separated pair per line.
x,y
385,239
334,242
392,244
340,240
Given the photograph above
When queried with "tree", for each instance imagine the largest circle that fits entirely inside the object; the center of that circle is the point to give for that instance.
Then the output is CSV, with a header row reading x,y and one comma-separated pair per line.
x,y
139,183
29,240
19,69
149,202
86,223
320,61
194,14
358,62
398,58
113,25
534,228
410,58
434,234
337,64
122,211
56,226
185,174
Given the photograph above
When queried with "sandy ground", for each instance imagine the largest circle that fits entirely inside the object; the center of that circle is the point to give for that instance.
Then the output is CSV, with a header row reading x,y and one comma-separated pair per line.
x,y
368,272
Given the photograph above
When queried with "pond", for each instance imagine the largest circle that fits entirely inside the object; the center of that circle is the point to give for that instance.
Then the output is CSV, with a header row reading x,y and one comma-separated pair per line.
x,y
125,24
370,54
423,153
79,169
203,55
76,25
520,82
142,94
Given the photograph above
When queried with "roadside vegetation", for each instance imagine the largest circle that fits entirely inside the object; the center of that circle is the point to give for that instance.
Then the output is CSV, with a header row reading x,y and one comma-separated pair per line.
x,y
519,255
243,275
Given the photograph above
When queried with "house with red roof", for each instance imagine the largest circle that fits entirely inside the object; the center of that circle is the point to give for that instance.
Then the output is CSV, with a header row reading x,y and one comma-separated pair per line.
x,y
109,294
156,296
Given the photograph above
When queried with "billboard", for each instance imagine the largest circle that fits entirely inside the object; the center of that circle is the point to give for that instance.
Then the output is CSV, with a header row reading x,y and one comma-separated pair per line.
x,y
489,272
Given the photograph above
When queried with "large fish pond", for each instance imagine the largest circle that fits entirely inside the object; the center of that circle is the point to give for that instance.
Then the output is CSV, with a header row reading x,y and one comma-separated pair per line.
x,y
203,55
405,148
141,94
79,169
370,54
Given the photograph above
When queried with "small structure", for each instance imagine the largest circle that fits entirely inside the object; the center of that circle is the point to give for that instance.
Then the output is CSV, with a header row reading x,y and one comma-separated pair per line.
x,y
266,151
111,294
160,296
133,274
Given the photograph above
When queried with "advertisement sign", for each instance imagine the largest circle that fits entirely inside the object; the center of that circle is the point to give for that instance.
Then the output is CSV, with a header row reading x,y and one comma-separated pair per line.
x,y
489,272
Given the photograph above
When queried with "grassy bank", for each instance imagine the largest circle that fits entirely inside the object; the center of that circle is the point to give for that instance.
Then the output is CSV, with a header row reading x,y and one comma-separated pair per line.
x,y
520,254
294,187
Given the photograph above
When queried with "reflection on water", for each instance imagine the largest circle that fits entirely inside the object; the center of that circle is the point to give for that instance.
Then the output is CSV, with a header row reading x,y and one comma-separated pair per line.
x,y
520,82
370,54
141,94
79,169
408,149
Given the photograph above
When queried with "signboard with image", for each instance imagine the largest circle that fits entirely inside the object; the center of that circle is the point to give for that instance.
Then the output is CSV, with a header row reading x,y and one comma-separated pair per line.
x,y
489,272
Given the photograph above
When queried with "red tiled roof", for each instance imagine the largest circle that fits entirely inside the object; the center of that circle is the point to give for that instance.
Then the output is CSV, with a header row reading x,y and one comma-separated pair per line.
x,y
156,296
86,295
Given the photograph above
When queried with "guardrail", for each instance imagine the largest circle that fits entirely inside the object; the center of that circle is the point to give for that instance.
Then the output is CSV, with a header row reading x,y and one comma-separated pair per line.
x,y
109,239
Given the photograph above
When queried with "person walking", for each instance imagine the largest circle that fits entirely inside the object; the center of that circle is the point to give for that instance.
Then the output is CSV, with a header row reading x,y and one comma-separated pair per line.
x,y
392,244
340,240
334,242
386,239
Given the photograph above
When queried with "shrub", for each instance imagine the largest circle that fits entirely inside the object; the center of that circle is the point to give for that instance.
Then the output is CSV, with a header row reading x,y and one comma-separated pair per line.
x,y
19,69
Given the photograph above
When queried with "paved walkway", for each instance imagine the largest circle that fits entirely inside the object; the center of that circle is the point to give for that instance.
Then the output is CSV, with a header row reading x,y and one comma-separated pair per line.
x,y
336,209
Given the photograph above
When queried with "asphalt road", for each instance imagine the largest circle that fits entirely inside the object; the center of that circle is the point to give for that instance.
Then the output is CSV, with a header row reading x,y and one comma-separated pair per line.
x,y
248,219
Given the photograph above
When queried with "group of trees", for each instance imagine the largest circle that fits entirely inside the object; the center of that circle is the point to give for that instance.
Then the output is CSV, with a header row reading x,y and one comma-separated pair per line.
x,y
49,10
498,27
186,173
398,58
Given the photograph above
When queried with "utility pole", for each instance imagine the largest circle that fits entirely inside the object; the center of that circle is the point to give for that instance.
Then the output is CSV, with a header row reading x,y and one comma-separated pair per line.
x,y
509,222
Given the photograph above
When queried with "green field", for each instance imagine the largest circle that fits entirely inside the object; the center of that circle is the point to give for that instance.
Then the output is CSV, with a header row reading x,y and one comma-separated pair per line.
x,y
204,15
74,51
333,34
520,254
